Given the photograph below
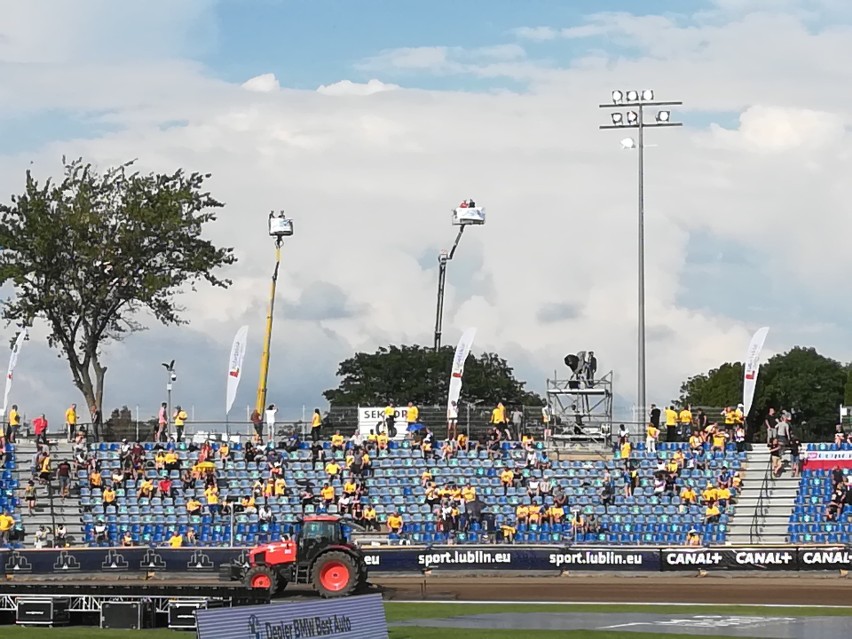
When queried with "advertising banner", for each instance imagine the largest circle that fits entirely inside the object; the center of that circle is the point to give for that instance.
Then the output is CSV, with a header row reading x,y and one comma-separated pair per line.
x,y
463,349
235,367
827,459
818,558
727,558
13,361
347,618
751,367
372,418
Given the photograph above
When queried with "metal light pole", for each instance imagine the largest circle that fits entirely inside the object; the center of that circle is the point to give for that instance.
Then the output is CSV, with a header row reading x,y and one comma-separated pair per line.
x,y
635,103
468,214
280,226
171,378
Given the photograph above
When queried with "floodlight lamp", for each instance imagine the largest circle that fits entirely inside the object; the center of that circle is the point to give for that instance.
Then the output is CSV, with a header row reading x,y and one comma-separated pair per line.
x,y
628,143
617,97
279,225
632,117
468,214
618,118
664,116
632,96
647,95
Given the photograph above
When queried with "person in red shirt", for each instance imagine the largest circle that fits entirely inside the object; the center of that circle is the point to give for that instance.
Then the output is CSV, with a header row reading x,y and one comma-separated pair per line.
x,y
40,427
165,487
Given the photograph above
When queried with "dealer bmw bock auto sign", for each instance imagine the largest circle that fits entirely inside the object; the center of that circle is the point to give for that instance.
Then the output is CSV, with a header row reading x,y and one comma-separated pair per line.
x,y
347,618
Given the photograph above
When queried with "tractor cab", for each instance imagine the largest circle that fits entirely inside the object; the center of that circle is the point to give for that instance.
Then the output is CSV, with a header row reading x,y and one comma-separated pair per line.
x,y
317,534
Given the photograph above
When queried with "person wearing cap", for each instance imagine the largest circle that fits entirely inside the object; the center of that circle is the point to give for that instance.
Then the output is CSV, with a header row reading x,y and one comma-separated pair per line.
x,y
693,538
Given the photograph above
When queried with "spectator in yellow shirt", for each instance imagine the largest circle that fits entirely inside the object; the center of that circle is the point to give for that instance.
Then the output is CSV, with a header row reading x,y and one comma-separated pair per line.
x,y
332,469
193,507
370,518
109,496
71,422
337,441
712,513
498,416
412,414
556,514
693,538
507,478
719,439
709,494
688,496
176,540
651,435
395,523
522,513
468,493
382,441
6,525
626,449
327,494
316,425
685,419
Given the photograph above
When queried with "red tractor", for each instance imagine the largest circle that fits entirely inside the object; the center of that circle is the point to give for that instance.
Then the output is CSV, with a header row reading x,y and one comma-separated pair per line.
x,y
320,556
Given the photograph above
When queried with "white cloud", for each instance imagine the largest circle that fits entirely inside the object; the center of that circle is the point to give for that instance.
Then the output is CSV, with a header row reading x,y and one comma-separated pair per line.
x,y
370,182
347,87
266,83
536,33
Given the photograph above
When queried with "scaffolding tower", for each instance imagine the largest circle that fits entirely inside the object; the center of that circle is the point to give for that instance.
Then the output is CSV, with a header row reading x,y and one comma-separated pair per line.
x,y
581,408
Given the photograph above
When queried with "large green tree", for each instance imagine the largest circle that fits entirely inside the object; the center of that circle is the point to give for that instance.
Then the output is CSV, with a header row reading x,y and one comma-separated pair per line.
x,y
801,380
87,253
419,374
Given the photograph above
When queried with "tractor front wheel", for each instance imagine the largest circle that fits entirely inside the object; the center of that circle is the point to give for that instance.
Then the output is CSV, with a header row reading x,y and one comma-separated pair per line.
x,y
262,578
335,574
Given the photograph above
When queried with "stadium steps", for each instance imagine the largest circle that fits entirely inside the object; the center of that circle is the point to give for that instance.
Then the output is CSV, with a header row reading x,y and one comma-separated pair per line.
x,y
778,502
757,461
62,511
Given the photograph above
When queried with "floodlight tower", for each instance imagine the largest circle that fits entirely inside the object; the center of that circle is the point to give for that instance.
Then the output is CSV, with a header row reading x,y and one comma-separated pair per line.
x,y
466,214
280,226
630,114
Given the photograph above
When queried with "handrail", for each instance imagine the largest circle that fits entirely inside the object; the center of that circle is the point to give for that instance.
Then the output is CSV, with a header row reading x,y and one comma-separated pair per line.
x,y
762,506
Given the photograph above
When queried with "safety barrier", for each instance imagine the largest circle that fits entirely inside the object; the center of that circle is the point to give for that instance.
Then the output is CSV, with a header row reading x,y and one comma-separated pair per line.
x,y
418,559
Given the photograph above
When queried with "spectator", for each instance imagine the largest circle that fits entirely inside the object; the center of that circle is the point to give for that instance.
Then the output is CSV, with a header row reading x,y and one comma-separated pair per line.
x,y
100,532
30,497
337,442
452,420
40,428
60,537
693,538
775,457
507,479
684,418
109,497
782,430
651,435
175,538
264,514
740,437
712,513
190,538
771,422
71,422
161,433
395,523
371,521
40,538
316,425
44,470
333,470
7,523
795,456
671,424
193,507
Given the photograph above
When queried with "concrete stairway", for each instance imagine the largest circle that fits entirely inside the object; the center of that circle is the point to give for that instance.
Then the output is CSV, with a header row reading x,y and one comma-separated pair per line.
x,y
775,508
739,528
49,511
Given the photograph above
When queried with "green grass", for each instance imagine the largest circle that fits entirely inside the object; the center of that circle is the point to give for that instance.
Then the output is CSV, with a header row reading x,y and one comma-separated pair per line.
x,y
426,610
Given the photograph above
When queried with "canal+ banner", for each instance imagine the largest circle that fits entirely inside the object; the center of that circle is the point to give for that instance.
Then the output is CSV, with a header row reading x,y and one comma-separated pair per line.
x,y
346,618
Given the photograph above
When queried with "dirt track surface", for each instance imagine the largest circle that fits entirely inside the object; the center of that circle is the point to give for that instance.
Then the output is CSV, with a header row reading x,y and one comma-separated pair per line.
x,y
828,590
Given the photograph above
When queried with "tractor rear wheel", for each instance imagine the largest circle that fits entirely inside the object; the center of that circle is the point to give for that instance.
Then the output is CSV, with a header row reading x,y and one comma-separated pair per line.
x,y
335,574
262,578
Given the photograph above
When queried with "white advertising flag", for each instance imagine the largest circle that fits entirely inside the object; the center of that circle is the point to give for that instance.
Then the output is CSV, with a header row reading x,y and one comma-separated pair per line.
x,y
462,351
13,360
235,366
752,367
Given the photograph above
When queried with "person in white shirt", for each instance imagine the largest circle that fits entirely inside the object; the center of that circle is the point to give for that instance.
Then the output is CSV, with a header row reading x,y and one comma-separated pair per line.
x,y
41,537
270,421
264,514
452,420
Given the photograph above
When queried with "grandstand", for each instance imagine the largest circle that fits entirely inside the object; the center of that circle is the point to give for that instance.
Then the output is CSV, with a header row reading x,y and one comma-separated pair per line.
x,y
809,521
9,486
397,485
